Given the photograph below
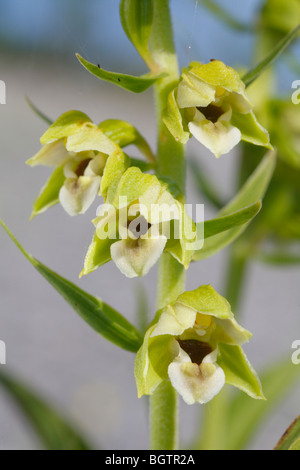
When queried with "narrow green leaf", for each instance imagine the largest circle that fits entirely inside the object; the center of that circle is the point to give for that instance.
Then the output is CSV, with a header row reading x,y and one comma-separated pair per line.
x,y
54,431
101,317
253,74
222,224
226,17
278,258
246,415
129,82
49,195
291,438
204,185
252,191
136,17
38,112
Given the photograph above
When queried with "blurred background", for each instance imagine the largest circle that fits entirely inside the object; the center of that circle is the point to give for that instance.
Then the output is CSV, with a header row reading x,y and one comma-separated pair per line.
x,y
48,346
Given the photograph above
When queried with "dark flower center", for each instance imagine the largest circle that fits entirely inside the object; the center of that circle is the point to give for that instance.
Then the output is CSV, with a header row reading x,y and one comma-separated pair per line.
x,y
195,349
211,112
82,167
138,226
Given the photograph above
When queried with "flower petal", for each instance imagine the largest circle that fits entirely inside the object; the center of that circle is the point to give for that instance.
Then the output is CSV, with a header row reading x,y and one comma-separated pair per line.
x,y
196,383
193,92
219,137
90,137
53,155
251,130
136,257
175,320
77,194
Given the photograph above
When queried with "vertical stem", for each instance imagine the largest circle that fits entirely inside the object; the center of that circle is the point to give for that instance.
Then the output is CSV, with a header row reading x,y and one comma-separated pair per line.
x,y
164,417
171,163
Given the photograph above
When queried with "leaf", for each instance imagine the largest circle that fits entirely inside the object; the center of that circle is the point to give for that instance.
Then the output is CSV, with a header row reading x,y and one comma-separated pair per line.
x,y
252,191
253,74
129,82
54,431
136,17
101,317
38,112
222,224
205,186
49,195
226,17
246,415
278,258
291,438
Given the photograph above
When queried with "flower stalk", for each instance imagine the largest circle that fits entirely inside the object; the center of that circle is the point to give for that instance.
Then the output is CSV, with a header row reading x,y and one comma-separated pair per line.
x,y
171,163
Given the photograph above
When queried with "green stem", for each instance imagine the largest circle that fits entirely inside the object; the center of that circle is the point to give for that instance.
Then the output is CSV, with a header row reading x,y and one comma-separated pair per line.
x,y
171,163
164,416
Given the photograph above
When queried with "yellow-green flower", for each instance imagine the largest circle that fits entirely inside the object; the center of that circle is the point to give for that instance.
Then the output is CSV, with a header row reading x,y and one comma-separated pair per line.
x,y
196,344
211,104
78,151
134,226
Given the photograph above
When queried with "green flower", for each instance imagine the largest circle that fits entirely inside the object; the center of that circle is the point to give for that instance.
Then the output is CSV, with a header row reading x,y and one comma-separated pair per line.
x,y
196,344
78,151
136,225
211,104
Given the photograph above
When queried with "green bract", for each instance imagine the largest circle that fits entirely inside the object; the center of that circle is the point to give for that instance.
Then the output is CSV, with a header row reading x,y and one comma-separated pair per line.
x,y
139,220
196,344
211,103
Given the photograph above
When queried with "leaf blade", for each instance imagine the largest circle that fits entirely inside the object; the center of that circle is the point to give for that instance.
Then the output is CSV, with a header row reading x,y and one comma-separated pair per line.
x,y
253,74
55,432
128,82
101,317
276,382
291,438
222,224
252,191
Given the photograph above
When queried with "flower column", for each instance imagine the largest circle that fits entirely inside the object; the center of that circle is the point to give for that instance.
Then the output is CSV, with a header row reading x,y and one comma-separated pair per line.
x,y
171,162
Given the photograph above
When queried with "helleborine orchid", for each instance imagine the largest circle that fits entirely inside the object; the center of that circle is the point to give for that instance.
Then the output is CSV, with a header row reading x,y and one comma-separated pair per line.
x,y
133,227
78,151
196,344
211,104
